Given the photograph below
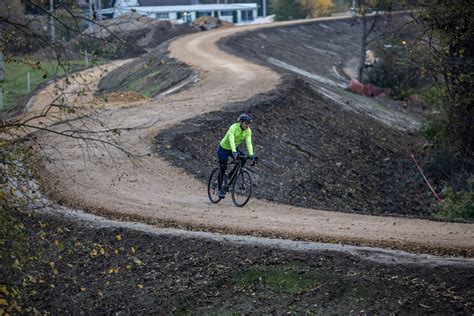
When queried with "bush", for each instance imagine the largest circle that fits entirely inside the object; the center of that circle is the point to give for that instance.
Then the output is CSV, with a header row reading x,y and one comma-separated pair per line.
x,y
458,205
287,10
395,71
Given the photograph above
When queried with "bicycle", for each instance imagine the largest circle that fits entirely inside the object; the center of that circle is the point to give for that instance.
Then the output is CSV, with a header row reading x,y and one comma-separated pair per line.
x,y
239,185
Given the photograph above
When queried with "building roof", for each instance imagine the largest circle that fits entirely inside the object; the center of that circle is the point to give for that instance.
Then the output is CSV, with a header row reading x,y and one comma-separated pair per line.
x,y
198,7
159,3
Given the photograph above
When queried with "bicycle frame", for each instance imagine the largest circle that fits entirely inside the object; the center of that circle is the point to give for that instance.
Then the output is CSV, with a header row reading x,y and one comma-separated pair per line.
x,y
235,171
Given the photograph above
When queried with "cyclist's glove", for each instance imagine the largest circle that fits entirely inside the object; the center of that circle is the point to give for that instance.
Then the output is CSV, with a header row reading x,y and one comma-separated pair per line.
x,y
254,158
234,155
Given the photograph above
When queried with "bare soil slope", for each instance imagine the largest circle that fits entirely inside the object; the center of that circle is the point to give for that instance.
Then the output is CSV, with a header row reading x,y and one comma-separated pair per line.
x,y
313,154
77,268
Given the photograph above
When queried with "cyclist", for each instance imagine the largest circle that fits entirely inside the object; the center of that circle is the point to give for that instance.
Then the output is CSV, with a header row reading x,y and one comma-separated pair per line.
x,y
229,146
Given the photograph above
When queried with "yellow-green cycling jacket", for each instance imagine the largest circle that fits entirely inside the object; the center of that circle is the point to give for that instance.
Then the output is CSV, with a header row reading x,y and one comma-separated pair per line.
x,y
234,137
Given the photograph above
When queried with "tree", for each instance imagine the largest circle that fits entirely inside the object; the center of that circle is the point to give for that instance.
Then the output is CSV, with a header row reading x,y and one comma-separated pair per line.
x,y
316,8
287,10
448,33
369,14
68,114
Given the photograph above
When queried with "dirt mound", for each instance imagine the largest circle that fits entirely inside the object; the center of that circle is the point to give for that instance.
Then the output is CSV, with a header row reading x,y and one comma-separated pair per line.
x,y
123,96
332,159
149,76
127,36
209,22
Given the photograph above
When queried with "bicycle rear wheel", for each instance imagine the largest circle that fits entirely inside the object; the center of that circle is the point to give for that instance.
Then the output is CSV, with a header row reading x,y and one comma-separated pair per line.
x,y
213,186
242,188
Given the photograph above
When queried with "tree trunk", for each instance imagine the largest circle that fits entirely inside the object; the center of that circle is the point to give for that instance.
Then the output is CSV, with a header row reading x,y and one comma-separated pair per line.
x,y
363,47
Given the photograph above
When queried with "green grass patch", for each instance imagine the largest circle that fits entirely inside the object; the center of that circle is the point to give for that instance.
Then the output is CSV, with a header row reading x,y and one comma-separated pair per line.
x,y
16,72
291,279
141,84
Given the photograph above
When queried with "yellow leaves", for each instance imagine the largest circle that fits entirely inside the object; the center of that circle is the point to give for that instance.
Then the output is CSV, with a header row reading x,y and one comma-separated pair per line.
x,y
3,301
31,279
133,249
52,265
118,237
3,289
140,286
137,261
116,251
83,289
114,270
42,235
93,253
314,8
16,264
102,251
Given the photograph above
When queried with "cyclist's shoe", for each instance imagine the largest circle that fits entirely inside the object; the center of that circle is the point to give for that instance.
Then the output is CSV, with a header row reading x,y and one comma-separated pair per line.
x,y
222,194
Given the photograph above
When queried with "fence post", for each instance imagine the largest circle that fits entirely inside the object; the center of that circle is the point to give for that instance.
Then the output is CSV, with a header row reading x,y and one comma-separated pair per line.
x,y
86,57
1,80
28,80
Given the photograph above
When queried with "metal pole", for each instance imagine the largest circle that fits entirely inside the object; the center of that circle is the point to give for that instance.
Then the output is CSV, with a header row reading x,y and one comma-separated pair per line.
x,y
91,14
353,12
264,5
99,10
51,21
86,57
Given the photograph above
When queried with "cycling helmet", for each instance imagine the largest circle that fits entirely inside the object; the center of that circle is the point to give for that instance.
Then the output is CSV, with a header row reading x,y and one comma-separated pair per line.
x,y
245,118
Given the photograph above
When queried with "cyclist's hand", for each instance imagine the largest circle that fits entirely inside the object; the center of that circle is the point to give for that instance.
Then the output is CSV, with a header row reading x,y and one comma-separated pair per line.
x,y
254,158
234,155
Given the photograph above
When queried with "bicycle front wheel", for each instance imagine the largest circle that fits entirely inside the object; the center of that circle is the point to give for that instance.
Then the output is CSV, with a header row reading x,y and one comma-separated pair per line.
x,y
213,186
242,188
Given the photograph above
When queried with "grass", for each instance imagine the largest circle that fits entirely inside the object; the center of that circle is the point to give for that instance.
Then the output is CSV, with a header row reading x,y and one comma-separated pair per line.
x,y
16,73
141,85
291,279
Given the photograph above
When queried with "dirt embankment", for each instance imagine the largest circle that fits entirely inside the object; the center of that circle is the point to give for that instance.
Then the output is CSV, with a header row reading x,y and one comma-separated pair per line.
x,y
324,53
150,75
64,267
313,154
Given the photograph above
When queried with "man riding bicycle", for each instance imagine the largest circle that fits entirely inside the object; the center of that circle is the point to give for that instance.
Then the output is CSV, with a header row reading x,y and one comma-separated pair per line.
x,y
230,143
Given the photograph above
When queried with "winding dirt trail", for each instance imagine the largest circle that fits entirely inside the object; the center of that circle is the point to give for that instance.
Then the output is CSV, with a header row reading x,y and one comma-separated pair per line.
x,y
156,192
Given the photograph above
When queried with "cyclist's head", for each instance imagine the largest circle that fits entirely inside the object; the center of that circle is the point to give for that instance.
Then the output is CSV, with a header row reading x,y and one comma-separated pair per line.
x,y
245,118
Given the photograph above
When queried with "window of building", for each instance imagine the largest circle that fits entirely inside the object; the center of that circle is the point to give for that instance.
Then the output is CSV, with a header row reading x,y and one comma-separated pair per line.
x,y
226,13
204,13
247,15
162,15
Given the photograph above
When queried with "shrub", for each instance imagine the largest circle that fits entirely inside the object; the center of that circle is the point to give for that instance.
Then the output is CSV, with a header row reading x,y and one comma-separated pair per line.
x,y
287,10
458,205
395,71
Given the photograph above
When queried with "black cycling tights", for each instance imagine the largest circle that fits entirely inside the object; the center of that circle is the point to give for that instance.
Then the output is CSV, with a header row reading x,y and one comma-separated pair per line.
x,y
223,168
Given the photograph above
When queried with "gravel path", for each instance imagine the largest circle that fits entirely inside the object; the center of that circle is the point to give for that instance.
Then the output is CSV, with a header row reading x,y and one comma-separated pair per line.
x,y
152,190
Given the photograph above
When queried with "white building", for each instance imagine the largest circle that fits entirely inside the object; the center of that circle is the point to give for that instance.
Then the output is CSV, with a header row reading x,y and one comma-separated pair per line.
x,y
187,10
